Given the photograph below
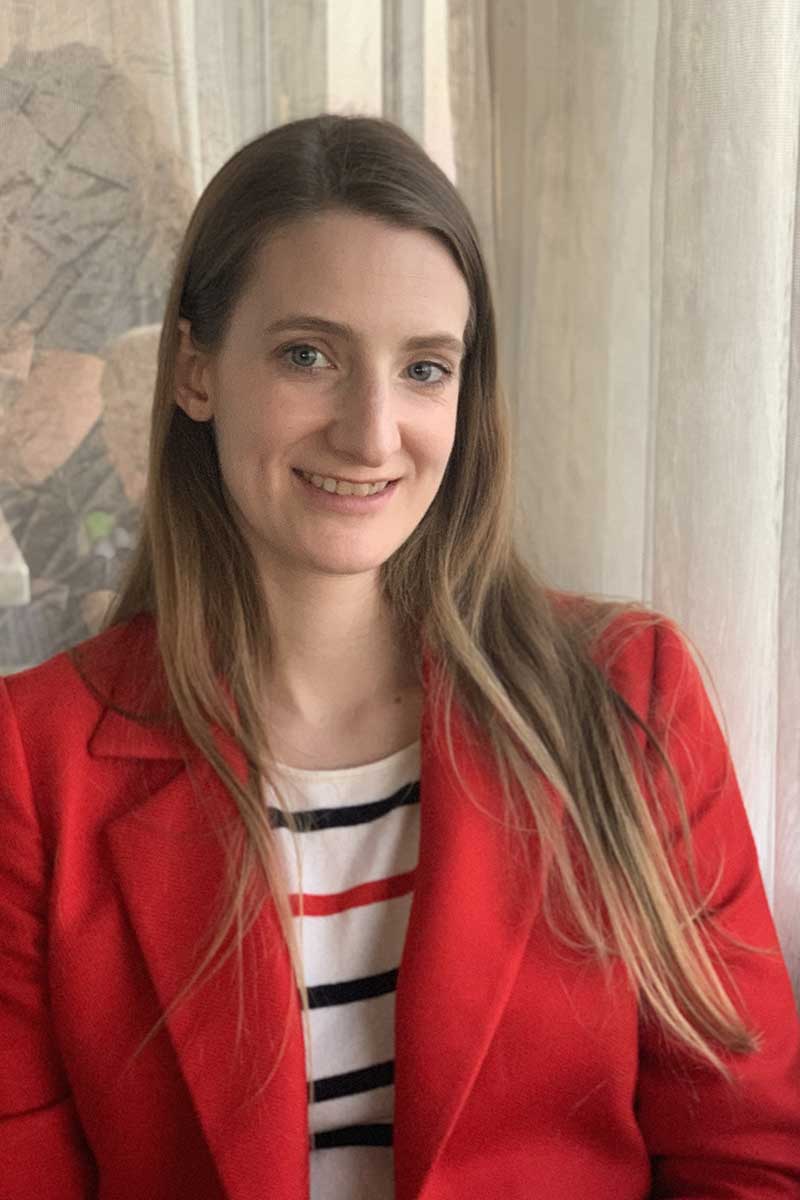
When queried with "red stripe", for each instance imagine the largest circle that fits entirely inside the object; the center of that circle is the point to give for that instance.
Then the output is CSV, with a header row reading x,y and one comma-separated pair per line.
x,y
365,893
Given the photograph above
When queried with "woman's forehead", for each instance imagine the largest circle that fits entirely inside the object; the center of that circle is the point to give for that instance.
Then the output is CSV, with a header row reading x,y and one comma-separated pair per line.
x,y
345,267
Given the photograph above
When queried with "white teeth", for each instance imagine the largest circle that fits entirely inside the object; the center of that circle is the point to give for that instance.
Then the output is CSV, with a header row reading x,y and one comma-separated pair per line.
x,y
344,489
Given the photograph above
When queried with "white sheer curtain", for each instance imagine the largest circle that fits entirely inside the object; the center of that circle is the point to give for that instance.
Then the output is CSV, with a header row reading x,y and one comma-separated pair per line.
x,y
642,204
632,166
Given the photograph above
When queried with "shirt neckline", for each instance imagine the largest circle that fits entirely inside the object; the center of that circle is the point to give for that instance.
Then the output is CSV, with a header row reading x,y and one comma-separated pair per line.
x,y
360,768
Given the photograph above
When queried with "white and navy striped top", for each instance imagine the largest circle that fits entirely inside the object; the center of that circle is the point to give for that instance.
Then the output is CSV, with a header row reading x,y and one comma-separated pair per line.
x,y
359,847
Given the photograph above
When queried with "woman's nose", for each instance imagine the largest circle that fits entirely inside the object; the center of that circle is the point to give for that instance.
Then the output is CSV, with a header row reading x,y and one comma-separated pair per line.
x,y
367,424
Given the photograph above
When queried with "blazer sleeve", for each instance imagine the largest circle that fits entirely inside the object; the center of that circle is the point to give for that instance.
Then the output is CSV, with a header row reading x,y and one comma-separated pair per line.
x,y
42,1149
708,1138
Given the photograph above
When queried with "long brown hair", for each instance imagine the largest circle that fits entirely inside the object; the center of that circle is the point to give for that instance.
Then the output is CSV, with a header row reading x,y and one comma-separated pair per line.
x,y
518,663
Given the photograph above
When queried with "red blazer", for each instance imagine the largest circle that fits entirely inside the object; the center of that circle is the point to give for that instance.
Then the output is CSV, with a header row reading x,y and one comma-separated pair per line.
x,y
517,1074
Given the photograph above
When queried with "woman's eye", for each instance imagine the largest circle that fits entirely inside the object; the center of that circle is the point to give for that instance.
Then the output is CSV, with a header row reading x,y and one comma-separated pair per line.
x,y
445,373
303,349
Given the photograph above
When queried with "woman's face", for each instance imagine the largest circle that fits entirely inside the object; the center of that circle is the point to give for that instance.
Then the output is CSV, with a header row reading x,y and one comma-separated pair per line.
x,y
358,405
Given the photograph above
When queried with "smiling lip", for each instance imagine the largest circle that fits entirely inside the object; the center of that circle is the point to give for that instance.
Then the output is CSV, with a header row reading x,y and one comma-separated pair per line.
x,y
332,502
339,478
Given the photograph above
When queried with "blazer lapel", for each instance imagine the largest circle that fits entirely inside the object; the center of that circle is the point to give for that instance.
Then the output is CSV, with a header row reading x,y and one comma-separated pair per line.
x,y
170,867
470,921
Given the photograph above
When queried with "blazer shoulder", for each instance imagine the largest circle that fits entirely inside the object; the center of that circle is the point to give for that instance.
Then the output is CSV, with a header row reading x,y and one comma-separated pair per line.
x,y
646,656
81,677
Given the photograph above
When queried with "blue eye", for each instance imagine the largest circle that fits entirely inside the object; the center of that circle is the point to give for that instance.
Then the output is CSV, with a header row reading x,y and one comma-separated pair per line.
x,y
308,368
446,372
305,349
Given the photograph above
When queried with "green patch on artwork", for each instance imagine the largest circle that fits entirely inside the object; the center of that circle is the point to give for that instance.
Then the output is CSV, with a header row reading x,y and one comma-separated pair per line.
x,y
98,525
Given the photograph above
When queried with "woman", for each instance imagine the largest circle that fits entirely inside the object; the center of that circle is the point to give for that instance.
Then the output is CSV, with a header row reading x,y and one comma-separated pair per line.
x,y
343,795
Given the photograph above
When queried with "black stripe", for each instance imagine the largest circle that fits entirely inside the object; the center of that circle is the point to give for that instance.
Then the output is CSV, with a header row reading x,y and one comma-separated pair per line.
x,y
353,1135
332,1087
309,819
325,995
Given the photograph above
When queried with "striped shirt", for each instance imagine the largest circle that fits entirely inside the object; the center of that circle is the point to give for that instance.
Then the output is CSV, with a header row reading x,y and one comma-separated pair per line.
x,y
358,844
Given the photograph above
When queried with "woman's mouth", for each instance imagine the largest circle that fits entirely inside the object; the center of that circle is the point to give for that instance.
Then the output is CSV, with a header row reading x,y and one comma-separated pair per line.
x,y
334,501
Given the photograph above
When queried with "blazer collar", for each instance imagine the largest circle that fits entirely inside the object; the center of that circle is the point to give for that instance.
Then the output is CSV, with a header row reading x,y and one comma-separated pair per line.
x,y
468,929
126,672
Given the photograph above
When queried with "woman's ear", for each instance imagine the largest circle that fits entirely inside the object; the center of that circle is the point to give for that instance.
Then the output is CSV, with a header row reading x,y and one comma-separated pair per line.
x,y
191,376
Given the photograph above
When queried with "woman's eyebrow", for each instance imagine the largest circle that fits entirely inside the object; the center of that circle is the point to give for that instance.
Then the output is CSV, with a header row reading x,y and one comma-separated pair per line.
x,y
323,325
